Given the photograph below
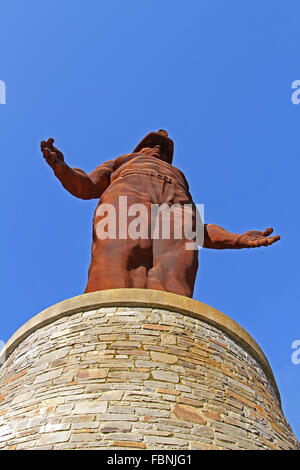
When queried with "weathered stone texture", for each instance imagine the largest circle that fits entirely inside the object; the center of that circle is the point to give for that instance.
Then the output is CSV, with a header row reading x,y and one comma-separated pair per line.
x,y
137,378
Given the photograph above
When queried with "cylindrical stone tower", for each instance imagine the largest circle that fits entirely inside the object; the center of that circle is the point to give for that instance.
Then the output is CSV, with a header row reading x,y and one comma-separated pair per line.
x,y
139,369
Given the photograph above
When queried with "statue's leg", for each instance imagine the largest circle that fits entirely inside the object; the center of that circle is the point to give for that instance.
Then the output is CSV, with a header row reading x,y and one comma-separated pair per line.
x,y
108,265
120,264
124,261
174,267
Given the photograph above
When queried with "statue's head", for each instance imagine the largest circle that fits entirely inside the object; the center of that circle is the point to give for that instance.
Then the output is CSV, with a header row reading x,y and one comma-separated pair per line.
x,y
157,143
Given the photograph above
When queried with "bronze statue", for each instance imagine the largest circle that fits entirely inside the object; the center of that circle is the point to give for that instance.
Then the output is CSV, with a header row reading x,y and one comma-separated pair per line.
x,y
146,177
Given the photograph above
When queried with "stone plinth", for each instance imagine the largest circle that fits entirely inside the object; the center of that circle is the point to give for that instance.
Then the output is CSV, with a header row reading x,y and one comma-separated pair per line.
x,y
139,369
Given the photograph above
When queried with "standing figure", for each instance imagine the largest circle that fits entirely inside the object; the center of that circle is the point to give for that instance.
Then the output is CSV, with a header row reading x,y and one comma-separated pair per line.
x,y
146,177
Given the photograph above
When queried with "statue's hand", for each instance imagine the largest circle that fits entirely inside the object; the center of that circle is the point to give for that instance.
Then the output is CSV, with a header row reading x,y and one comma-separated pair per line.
x,y
254,239
51,154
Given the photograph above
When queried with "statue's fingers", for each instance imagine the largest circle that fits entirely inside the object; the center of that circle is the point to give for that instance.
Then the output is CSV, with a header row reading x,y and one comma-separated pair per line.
x,y
273,239
43,144
49,143
46,154
260,242
257,243
58,152
267,232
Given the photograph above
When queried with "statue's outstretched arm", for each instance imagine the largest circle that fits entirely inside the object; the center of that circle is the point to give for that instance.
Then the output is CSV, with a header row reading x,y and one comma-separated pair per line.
x,y
218,238
74,180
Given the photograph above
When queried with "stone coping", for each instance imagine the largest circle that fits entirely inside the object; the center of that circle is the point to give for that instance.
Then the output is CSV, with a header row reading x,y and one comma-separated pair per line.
x,y
142,298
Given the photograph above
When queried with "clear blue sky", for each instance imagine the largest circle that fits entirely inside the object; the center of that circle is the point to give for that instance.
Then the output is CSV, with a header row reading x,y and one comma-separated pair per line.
x,y
97,76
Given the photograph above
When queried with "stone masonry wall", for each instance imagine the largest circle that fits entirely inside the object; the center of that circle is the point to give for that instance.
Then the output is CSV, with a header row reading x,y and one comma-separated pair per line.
x,y
139,378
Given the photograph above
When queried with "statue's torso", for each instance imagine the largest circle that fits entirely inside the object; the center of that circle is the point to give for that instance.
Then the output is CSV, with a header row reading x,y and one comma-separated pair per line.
x,y
138,163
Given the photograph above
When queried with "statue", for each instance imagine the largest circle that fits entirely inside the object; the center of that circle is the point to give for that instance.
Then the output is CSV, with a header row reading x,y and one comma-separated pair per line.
x,y
145,177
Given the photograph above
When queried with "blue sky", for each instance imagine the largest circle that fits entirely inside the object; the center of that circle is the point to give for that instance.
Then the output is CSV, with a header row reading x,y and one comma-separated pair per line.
x,y
97,76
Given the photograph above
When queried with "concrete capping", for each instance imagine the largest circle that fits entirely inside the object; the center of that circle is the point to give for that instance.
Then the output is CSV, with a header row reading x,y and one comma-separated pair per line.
x,y
142,298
